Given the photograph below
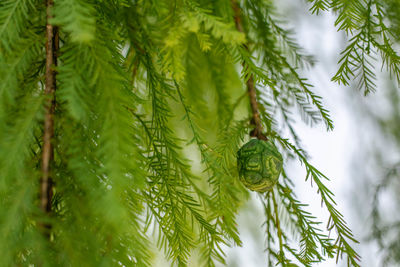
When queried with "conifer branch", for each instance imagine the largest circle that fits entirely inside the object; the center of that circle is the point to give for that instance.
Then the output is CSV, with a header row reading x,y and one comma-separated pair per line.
x,y
256,120
163,61
48,131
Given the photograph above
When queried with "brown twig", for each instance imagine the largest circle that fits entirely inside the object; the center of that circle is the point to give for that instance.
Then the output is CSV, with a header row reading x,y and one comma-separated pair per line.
x,y
52,44
258,129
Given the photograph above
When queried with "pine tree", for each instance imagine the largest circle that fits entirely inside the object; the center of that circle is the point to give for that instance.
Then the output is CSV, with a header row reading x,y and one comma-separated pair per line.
x,y
121,119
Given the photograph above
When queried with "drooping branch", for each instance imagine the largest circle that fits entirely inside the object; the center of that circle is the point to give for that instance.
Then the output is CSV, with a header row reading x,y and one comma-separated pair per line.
x,y
46,191
256,120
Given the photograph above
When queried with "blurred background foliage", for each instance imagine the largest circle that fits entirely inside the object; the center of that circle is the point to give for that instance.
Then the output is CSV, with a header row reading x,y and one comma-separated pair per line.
x,y
371,193
152,107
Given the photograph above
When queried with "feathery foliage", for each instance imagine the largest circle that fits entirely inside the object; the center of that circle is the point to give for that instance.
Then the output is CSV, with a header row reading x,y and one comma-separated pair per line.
x,y
150,108
370,34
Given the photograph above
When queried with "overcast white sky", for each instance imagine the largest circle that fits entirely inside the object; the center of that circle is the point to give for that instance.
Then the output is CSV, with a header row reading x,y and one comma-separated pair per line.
x,y
331,152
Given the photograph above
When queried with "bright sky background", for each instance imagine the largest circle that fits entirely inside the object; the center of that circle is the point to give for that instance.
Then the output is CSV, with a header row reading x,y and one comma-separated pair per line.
x,y
331,152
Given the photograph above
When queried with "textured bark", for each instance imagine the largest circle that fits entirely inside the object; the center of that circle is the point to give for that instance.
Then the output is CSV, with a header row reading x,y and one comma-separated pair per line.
x,y
258,129
46,191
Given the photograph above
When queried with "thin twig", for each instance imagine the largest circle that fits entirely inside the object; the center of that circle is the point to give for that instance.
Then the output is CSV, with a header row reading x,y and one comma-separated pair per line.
x,y
258,129
46,184
278,225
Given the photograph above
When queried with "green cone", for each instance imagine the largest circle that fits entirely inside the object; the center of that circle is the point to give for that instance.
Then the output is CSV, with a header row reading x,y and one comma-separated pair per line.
x,y
259,165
